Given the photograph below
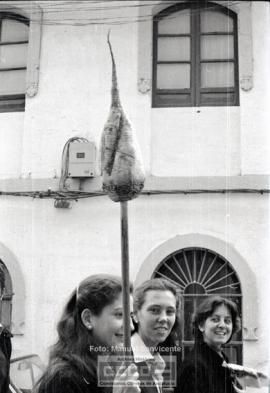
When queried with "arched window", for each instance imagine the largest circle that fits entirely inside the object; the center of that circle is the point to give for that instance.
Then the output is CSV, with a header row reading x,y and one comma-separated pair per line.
x,y
199,273
14,32
195,56
6,302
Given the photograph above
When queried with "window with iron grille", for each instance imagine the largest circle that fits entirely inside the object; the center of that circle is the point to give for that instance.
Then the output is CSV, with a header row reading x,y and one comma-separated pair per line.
x,y
195,56
201,273
14,31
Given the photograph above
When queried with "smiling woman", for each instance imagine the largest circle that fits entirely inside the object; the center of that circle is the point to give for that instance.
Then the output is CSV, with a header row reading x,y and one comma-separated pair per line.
x,y
217,328
156,306
107,327
203,370
156,317
90,326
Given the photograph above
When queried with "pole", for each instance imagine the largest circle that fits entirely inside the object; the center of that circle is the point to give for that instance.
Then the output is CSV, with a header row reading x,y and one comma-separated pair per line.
x,y
125,278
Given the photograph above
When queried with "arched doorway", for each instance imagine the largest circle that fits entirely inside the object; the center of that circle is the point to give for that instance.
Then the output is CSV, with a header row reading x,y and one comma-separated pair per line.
x,y
199,273
6,300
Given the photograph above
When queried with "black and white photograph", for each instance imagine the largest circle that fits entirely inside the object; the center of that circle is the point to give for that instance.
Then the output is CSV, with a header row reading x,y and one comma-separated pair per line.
x,y
134,196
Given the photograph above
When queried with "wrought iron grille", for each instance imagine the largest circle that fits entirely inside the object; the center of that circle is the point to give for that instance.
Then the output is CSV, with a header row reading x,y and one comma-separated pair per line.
x,y
200,273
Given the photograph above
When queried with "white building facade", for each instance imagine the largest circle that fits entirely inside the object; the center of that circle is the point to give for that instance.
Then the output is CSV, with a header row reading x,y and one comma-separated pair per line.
x,y
194,83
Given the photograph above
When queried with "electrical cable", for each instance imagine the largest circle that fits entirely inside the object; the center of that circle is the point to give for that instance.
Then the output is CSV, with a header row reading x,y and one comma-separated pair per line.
x,y
50,8
76,195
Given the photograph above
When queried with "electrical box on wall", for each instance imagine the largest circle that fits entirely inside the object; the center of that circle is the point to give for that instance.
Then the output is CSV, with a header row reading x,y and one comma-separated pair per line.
x,y
82,159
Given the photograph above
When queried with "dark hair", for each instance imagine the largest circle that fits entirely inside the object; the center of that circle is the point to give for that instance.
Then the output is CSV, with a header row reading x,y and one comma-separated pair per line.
x,y
207,307
95,292
159,284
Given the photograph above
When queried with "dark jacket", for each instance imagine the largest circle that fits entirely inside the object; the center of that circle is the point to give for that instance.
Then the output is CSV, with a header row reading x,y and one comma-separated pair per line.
x,y
202,372
5,353
66,378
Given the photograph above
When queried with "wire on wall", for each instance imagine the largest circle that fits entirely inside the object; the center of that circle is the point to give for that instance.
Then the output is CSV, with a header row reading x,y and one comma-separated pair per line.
x,y
75,195
57,13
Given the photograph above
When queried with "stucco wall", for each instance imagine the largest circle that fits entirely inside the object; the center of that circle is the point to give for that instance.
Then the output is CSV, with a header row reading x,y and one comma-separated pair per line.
x,y
11,139
56,248
255,139
74,99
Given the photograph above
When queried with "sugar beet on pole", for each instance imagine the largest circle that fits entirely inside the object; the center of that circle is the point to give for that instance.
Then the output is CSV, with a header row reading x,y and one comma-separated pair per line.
x,y
123,178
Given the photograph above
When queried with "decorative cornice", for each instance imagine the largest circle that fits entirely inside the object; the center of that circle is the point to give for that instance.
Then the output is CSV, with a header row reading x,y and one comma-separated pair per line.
x,y
32,89
246,82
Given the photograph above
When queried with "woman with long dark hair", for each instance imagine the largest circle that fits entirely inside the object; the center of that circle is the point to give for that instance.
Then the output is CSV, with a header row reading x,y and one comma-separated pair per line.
x,y
203,370
156,321
90,328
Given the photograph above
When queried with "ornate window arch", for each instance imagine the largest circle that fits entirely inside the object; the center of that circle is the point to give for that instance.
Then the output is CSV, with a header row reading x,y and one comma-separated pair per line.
x,y
200,273
227,251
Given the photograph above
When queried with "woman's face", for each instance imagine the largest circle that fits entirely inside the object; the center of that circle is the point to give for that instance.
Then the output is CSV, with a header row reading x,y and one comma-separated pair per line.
x,y
156,316
107,327
217,328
